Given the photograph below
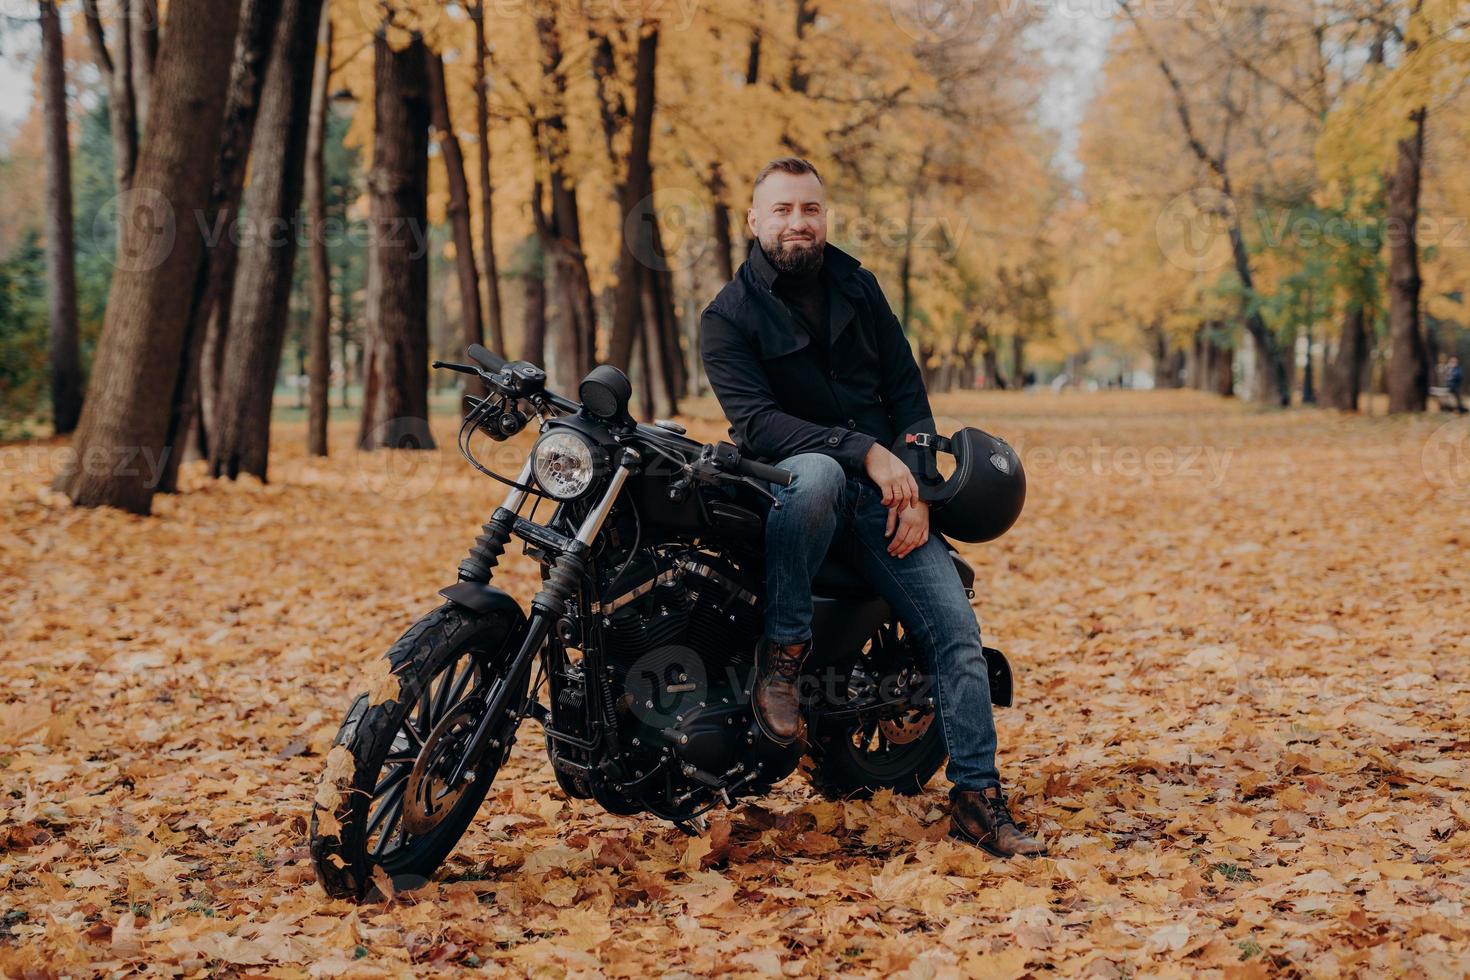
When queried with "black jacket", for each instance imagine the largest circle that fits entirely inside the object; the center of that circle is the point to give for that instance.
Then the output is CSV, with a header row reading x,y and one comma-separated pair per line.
x,y
783,395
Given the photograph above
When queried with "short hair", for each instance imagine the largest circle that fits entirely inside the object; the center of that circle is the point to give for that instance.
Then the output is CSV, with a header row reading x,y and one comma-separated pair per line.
x,y
785,165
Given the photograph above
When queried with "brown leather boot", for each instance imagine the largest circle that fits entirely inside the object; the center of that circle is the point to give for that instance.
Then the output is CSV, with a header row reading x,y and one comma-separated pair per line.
x,y
776,698
983,819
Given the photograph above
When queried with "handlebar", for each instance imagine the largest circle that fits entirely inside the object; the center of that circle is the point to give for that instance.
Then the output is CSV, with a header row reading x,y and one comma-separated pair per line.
x,y
490,367
763,471
728,459
728,456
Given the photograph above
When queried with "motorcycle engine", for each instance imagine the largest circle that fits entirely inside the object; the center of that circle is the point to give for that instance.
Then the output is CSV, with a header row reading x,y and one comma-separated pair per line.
x,y
680,653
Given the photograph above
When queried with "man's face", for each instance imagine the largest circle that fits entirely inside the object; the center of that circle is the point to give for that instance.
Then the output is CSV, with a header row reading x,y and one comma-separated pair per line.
x,y
788,216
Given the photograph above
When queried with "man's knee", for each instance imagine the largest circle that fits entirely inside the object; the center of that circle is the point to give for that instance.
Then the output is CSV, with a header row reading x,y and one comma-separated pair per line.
x,y
816,478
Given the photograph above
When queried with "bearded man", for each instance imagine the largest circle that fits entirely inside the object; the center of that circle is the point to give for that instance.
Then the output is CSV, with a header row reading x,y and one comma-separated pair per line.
x,y
816,376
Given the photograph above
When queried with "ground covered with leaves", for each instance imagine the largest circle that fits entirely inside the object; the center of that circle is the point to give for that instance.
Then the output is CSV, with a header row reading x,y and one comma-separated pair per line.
x,y
1242,685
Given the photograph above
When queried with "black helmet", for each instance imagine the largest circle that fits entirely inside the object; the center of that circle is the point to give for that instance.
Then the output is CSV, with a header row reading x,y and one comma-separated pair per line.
x,y
984,495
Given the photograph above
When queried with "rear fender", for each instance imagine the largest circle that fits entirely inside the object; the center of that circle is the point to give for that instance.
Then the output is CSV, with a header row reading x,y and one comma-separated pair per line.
x,y
1002,690
840,627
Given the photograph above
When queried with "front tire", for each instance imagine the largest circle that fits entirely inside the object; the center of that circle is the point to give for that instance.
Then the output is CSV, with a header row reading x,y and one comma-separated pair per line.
x,y
377,805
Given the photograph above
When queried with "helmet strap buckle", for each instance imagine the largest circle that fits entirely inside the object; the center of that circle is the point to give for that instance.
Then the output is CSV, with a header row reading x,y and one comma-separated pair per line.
x,y
933,443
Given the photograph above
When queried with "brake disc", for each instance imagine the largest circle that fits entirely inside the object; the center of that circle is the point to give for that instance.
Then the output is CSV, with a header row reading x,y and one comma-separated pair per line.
x,y
909,727
428,798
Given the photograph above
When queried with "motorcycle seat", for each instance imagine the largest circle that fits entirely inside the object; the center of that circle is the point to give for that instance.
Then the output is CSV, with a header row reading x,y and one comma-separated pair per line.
x,y
839,577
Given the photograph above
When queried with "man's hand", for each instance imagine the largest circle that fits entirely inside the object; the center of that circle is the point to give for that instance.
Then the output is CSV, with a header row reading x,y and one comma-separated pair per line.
x,y
912,528
908,516
892,477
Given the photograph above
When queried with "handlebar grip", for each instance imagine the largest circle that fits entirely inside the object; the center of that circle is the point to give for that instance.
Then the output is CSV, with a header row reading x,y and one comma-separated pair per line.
x,y
486,358
763,471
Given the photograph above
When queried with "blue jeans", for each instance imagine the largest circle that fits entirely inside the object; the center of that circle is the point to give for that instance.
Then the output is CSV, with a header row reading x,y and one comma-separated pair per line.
x,y
923,588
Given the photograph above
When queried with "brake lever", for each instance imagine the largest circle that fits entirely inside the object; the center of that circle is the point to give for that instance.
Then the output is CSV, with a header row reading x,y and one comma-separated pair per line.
x,y
707,468
759,487
460,368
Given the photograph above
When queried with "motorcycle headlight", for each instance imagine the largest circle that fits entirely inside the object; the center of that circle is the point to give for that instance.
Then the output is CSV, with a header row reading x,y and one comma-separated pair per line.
x,y
563,464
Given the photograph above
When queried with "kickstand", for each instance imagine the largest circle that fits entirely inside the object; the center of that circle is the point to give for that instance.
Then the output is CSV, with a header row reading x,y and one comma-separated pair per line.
x,y
694,826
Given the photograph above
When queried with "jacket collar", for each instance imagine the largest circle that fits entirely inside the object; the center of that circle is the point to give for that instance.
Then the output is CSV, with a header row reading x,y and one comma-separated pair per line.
x,y
835,262
778,334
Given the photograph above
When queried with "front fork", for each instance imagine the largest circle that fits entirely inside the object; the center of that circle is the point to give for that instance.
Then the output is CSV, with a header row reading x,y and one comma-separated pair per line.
x,y
547,606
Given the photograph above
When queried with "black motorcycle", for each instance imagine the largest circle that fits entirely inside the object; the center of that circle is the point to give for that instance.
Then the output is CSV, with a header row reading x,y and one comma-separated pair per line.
x,y
642,636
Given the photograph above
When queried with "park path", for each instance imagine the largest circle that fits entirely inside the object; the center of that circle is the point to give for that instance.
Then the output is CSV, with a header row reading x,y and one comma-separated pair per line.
x,y
1243,679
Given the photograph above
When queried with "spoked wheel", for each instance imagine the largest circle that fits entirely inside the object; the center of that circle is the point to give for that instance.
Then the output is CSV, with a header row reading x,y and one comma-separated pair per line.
x,y
386,799
897,749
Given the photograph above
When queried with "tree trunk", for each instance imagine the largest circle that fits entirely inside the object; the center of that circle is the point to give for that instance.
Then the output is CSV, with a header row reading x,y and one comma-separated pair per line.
x,y
1221,368
798,78
487,210
125,417
1168,361
398,185
635,205
342,348
967,370
1270,366
663,341
562,231
1376,375
1408,366
663,299
1309,387
117,74
1194,365
660,394
472,329
373,296
533,342
905,269
143,26
1018,359
720,222
320,368
1160,355
1272,387
925,356
61,264
643,379
240,434
993,378
208,316
1344,376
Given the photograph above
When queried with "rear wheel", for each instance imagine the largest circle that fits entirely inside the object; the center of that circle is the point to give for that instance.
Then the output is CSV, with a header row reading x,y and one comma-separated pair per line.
x,y
897,749
384,800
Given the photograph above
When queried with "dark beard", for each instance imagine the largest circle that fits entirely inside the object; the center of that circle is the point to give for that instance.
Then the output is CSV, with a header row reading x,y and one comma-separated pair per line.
x,y
795,258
